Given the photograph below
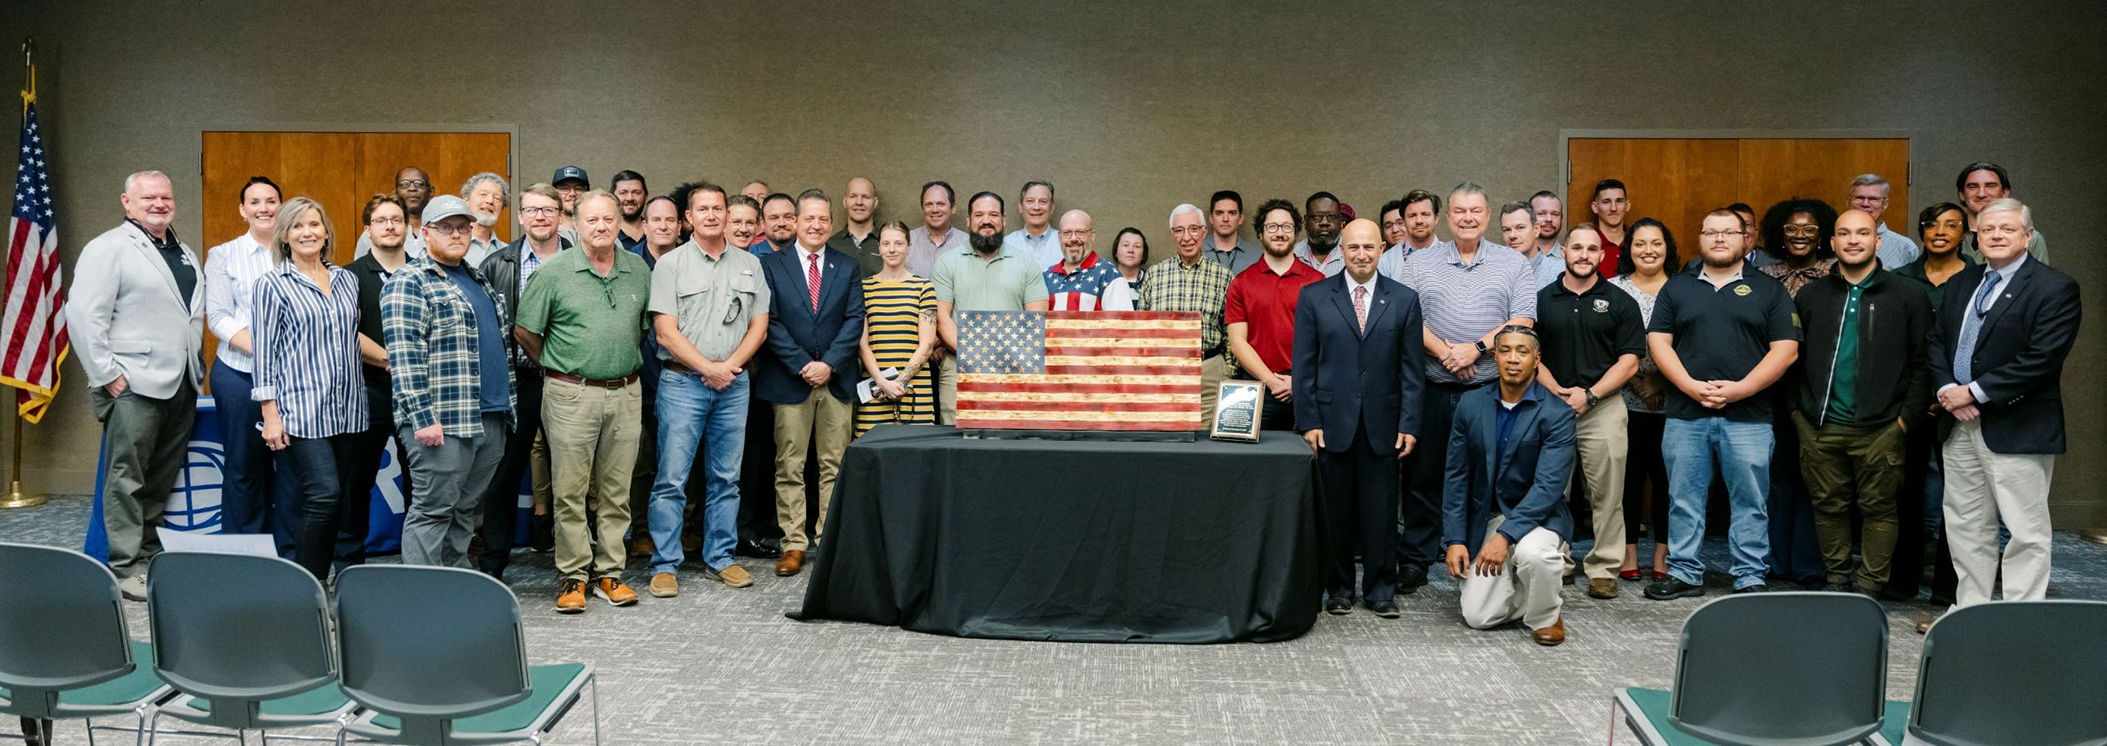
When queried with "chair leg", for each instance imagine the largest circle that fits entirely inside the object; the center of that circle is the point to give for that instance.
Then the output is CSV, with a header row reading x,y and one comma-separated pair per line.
x,y
595,684
1613,721
153,728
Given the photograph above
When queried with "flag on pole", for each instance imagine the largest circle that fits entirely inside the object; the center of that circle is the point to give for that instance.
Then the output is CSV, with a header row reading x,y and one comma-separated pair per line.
x,y
33,330
1078,370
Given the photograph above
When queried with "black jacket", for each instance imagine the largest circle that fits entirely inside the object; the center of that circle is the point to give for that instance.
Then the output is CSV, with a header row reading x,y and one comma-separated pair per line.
x,y
2019,353
501,268
1894,348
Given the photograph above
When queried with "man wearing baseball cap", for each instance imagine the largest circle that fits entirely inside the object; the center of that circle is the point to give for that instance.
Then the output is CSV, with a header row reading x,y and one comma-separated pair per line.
x,y
570,183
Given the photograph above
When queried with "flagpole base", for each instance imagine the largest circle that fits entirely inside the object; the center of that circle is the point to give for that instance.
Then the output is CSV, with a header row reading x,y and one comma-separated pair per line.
x,y
15,498
2094,535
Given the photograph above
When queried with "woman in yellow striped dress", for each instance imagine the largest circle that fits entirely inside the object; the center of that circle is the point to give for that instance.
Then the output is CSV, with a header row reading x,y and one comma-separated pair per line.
x,y
899,329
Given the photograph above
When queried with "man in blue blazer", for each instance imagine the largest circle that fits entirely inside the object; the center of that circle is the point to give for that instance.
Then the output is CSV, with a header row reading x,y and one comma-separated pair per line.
x,y
807,369
1357,385
1510,455
1997,355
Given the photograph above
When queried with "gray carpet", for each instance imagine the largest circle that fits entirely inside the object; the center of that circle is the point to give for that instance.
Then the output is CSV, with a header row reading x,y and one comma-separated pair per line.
x,y
721,665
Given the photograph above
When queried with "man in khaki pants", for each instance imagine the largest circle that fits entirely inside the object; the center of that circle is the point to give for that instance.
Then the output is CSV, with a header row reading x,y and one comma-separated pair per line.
x,y
580,318
807,368
1592,336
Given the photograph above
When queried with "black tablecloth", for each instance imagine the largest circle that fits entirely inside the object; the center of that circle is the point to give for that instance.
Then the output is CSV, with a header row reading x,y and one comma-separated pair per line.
x,y
1073,540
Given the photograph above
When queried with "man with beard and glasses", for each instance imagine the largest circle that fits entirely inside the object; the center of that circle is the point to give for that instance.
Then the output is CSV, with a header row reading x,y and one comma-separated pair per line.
x,y
1593,335
982,275
414,187
1321,220
859,237
1259,314
1082,280
1469,289
630,194
1188,282
1035,203
1421,211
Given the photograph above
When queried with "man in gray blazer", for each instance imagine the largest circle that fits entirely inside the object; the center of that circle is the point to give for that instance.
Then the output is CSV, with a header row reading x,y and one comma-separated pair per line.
x,y
136,316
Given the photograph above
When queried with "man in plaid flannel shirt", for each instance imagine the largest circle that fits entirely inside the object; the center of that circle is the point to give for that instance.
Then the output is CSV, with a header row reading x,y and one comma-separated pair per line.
x,y
450,353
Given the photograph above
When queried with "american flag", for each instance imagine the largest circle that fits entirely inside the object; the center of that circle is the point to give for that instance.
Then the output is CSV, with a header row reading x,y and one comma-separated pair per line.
x,y
1073,370
33,331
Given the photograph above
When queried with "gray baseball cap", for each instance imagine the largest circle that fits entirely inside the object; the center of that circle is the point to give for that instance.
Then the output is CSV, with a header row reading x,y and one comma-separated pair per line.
x,y
445,206
571,173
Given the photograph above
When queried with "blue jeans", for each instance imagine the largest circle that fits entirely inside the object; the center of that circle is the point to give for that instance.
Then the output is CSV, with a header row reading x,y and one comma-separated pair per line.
x,y
1743,451
692,414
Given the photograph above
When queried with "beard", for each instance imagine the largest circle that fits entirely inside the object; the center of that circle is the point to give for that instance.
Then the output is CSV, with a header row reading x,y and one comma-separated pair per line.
x,y
633,215
1322,243
1577,275
1730,261
985,244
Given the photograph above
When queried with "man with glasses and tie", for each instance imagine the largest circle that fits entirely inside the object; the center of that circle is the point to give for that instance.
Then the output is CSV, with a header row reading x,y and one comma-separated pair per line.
x,y
1997,363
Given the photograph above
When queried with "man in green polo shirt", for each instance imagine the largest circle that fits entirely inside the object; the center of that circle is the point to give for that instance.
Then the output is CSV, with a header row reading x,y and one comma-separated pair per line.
x,y
983,275
580,317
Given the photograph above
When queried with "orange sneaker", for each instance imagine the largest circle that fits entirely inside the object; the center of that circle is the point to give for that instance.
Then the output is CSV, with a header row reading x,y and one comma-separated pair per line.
x,y
571,599
614,592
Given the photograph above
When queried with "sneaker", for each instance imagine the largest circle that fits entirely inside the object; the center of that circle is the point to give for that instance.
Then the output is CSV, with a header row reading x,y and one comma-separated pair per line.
x,y
664,585
1386,608
1673,587
571,599
133,588
614,592
732,575
1338,606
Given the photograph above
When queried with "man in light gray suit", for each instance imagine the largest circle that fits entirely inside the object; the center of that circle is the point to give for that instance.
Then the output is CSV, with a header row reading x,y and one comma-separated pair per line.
x,y
136,317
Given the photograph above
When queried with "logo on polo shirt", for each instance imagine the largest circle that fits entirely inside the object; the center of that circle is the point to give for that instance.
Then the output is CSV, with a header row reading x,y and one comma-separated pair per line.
x,y
1602,306
1742,290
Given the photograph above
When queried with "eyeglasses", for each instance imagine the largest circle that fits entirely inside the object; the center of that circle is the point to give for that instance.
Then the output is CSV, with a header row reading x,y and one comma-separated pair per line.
x,y
535,212
387,221
1718,234
1074,234
454,231
412,184
1279,227
1802,230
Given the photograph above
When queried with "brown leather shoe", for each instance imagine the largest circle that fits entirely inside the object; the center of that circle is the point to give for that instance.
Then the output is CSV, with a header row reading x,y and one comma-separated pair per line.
x,y
571,599
1602,587
1924,622
1552,635
614,592
793,560
641,546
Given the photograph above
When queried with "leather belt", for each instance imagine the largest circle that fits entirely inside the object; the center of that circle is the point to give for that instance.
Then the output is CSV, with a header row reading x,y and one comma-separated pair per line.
x,y
598,383
678,367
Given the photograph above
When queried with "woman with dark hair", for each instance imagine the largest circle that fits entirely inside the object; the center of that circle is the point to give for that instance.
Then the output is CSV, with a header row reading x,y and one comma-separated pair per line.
x,y
1796,232
1129,251
1649,260
1940,230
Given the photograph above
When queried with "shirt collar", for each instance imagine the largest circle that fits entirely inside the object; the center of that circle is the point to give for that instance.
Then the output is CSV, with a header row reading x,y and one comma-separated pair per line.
x,y
1558,287
1061,267
2010,270
804,255
1350,284
164,245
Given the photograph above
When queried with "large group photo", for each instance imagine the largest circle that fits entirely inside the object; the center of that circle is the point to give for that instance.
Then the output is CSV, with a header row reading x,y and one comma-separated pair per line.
x,y
1105,402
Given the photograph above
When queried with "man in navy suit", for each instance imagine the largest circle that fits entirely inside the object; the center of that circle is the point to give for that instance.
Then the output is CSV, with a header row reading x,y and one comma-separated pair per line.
x,y
1510,454
1357,385
1997,362
807,368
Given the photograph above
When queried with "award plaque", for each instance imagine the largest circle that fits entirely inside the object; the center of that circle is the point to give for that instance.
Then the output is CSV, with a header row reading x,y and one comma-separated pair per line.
x,y
1237,411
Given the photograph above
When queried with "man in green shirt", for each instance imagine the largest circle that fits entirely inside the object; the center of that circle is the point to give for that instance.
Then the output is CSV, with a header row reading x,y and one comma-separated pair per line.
x,y
580,317
983,275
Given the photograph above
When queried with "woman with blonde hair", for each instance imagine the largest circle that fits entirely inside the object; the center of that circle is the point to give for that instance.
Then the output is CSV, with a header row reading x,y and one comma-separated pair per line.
x,y
899,329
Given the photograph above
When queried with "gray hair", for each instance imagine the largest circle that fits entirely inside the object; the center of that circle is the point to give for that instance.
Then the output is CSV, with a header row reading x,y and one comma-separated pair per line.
x,y
1185,208
133,180
2026,214
504,191
1872,180
1466,188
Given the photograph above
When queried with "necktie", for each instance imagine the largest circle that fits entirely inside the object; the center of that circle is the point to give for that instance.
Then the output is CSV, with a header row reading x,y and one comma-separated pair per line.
x,y
1360,307
1972,325
812,280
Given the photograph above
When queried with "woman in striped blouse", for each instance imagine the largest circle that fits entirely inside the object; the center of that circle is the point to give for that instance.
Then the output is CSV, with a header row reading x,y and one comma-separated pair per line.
x,y
899,329
305,332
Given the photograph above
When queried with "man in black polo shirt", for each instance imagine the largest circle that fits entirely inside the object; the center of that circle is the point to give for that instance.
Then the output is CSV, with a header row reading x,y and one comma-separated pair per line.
x,y
1592,335
1721,336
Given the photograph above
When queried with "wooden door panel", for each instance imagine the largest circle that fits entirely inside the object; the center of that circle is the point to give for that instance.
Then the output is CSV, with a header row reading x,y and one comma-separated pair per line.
x,y
1675,181
1779,169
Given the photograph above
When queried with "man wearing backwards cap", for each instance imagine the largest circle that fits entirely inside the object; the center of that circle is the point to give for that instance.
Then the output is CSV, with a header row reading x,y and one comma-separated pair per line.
x,y
450,356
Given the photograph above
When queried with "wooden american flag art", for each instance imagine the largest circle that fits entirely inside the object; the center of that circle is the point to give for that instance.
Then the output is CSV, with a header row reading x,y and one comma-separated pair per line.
x,y
1079,370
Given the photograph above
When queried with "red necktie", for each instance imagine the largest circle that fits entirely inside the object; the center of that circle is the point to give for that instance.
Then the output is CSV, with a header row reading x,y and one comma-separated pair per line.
x,y
812,281
1360,307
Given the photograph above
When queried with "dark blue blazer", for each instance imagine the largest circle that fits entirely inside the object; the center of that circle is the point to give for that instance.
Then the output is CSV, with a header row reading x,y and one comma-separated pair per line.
x,y
1346,381
797,335
1530,490
2019,353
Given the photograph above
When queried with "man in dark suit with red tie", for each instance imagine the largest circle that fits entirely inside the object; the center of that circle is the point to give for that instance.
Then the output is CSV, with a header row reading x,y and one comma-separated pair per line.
x,y
1357,386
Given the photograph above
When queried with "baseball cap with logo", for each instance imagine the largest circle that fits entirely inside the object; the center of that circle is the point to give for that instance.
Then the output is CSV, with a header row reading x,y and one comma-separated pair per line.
x,y
571,173
446,206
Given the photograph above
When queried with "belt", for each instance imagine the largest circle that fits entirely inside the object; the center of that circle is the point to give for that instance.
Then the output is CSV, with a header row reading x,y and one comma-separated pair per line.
x,y
681,368
600,383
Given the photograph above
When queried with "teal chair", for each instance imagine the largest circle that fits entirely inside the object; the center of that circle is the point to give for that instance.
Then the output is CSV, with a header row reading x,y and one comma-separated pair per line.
x,y
459,673
245,642
2012,672
64,650
1770,669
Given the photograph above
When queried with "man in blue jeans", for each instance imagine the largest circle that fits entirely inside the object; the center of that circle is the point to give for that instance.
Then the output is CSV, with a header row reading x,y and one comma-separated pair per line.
x,y
1721,335
709,307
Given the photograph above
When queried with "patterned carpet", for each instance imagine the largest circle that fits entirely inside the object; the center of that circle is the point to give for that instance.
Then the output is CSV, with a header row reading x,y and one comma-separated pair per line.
x,y
720,665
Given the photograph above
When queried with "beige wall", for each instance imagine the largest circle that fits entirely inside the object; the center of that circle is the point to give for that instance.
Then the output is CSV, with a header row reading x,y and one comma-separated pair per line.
x,y
1129,107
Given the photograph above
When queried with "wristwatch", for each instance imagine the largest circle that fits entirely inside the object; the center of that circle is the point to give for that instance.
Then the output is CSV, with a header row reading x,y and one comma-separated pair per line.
x,y
1481,346
1592,398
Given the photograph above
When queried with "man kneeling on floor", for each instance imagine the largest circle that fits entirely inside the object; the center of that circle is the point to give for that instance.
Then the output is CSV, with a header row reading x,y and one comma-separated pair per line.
x,y
1510,454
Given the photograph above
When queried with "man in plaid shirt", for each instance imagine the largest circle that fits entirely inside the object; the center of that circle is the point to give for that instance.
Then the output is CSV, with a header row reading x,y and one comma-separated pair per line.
x,y
1189,282
450,356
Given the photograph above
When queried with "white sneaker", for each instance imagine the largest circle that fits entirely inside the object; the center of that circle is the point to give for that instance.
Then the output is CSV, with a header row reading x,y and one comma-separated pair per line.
x,y
133,588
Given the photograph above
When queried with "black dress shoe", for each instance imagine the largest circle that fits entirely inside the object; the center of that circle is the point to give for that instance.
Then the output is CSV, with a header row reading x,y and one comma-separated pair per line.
x,y
753,548
1338,606
1386,608
1410,578
1672,587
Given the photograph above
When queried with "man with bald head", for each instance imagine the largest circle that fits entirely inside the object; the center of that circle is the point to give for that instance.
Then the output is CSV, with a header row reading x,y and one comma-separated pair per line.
x,y
1189,282
1082,280
1866,381
858,237
1358,377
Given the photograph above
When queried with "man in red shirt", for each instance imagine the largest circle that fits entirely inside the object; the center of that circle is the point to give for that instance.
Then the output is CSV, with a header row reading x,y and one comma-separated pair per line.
x,y
1260,314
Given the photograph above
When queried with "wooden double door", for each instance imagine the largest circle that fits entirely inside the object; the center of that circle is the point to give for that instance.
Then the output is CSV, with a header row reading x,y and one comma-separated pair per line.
x,y
1678,180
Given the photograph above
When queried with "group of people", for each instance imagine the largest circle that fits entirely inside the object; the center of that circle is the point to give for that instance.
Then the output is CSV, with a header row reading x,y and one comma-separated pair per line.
x,y
1462,395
